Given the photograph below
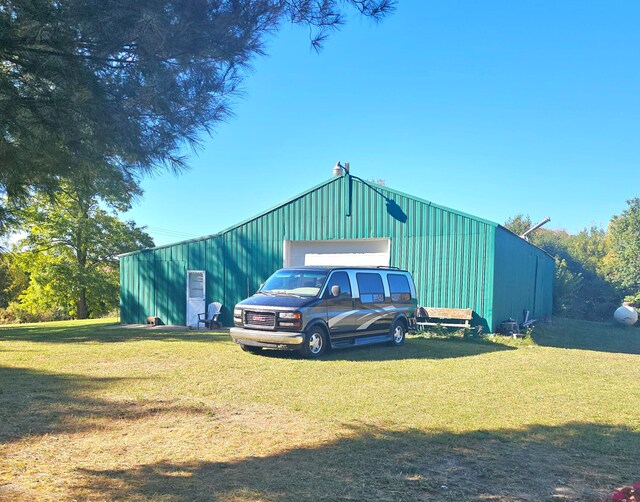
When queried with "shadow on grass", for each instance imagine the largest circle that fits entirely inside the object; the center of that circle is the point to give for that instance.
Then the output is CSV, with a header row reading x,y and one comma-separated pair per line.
x,y
103,334
578,461
413,348
34,403
588,335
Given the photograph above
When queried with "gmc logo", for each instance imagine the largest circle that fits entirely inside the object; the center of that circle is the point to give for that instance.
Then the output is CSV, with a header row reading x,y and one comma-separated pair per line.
x,y
259,318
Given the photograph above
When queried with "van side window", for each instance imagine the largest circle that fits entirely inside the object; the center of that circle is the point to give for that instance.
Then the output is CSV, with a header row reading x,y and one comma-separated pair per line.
x,y
399,288
371,288
339,279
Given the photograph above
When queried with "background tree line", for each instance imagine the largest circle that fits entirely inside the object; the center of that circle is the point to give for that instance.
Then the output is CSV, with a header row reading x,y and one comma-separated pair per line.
x,y
595,269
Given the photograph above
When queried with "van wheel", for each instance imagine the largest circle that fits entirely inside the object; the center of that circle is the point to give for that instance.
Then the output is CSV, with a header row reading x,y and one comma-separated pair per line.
x,y
315,343
398,332
252,349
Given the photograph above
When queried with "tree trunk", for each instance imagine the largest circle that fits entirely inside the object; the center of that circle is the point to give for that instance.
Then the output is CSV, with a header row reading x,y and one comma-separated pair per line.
x,y
81,256
82,304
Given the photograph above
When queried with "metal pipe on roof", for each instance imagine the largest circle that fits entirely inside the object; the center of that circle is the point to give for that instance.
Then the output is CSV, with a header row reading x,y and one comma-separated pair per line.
x,y
535,227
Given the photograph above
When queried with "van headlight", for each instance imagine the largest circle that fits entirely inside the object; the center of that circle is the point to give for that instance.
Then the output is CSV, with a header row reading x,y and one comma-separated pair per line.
x,y
237,317
289,315
290,319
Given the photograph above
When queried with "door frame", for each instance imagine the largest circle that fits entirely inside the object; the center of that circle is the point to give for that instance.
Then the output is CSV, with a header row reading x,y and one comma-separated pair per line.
x,y
204,294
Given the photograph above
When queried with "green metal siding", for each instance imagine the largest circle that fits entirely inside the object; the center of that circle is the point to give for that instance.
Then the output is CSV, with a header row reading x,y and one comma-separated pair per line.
x,y
450,254
524,276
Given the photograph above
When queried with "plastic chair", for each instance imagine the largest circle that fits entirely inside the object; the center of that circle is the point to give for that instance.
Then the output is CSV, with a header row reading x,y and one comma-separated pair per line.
x,y
211,316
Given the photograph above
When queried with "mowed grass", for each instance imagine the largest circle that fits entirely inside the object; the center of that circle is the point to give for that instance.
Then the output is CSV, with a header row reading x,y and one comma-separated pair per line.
x,y
92,411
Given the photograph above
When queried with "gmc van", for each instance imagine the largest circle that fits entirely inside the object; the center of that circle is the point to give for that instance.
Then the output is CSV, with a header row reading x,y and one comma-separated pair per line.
x,y
310,309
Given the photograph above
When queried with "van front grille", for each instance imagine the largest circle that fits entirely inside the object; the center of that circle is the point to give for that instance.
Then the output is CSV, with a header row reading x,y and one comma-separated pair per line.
x,y
260,319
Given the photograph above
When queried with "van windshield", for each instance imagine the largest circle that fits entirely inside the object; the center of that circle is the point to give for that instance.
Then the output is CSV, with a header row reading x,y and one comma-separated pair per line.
x,y
295,282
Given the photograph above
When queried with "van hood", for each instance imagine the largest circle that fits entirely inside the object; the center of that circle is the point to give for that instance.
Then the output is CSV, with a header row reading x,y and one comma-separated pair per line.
x,y
277,301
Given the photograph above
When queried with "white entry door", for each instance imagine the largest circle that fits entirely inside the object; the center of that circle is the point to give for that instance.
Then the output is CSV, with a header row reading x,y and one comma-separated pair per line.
x,y
195,296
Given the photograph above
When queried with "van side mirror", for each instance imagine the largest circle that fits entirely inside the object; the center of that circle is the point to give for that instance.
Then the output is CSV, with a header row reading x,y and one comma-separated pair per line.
x,y
335,290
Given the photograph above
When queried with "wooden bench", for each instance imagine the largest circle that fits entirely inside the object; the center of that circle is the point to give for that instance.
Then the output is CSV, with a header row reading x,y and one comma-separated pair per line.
x,y
451,318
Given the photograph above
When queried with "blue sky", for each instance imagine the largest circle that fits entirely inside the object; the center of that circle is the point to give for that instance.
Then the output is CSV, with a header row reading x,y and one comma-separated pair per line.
x,y
492,108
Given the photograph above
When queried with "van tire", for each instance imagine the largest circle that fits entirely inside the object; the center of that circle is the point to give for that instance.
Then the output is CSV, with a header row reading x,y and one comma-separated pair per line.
x,y
315,342
398,332
251,349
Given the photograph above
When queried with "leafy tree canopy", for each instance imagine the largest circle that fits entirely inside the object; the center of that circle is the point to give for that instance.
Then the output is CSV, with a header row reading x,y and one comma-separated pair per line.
x,y
70,251
13,280
622,261
580,289
112,87
519,223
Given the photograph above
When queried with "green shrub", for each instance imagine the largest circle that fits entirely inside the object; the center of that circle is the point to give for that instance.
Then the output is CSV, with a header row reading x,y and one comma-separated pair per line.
x,y
17,313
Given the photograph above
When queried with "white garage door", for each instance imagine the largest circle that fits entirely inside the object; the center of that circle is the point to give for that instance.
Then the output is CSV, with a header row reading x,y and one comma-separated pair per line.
x,y
357,252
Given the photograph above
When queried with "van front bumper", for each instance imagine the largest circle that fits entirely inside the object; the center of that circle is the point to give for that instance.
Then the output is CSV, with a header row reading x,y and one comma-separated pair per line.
x,y
270,339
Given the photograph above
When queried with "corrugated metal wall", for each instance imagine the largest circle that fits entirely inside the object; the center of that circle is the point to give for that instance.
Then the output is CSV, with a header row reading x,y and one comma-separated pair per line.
x,y
451,255
524,276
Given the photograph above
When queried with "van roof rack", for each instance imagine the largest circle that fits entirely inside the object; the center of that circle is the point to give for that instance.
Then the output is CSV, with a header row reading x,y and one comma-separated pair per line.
x,y
388,266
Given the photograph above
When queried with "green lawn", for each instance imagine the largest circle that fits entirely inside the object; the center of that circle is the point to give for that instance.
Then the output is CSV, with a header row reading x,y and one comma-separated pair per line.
x,y
90,411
